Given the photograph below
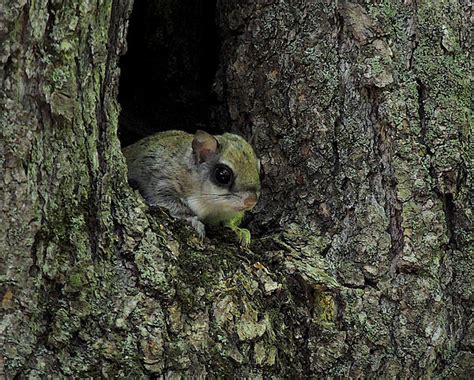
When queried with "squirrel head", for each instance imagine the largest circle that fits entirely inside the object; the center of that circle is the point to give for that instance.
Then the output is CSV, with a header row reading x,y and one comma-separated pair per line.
x,y
229,172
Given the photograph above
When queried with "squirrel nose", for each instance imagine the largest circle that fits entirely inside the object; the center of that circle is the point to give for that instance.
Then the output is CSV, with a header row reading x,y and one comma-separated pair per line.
x,y
250,201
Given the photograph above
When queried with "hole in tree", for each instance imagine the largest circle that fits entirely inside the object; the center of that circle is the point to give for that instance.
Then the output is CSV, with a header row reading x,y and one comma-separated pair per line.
x,y
168,70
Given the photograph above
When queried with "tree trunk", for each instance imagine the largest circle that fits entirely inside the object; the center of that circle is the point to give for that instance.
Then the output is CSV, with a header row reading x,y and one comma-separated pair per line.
x,y
361,263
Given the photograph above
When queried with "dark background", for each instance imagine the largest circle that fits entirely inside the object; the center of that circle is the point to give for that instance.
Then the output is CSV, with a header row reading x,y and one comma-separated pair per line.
x,y
168,70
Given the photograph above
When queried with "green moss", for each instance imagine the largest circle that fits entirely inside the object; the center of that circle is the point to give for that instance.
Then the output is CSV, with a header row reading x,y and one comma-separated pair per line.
x,y
75,281
59,78
377,65
325,310
385,9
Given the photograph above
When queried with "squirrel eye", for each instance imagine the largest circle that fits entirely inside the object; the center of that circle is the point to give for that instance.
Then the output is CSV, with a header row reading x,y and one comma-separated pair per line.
x,y
223,174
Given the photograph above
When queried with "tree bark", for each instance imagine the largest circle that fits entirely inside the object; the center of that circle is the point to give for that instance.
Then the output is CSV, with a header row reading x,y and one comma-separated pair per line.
x,y
361,265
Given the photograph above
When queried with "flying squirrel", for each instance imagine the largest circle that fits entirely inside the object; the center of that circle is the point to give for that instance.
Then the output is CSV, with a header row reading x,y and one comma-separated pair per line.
x,y
201,178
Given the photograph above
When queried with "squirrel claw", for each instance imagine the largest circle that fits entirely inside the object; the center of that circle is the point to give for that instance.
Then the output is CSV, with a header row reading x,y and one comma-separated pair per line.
x,y
244,236
198,226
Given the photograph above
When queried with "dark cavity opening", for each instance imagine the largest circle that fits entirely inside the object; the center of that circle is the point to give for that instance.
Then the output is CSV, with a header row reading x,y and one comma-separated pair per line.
x,y
168,70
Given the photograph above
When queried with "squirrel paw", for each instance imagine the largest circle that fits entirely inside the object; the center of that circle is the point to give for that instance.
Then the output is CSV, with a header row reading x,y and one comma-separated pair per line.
x,y
244,236
198,226
242,233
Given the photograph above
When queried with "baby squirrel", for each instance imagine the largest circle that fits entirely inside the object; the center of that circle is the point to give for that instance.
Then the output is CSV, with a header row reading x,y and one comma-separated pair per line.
x,y
200,178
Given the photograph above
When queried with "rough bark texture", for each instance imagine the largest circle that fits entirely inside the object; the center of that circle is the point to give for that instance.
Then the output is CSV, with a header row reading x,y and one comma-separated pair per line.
x,y
363,262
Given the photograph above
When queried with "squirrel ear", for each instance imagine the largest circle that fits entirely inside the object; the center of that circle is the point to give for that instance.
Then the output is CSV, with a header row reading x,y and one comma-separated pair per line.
x,y
205,146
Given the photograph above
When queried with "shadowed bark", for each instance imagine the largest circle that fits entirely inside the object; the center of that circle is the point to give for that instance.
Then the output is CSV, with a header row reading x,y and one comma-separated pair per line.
x,y
361,263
